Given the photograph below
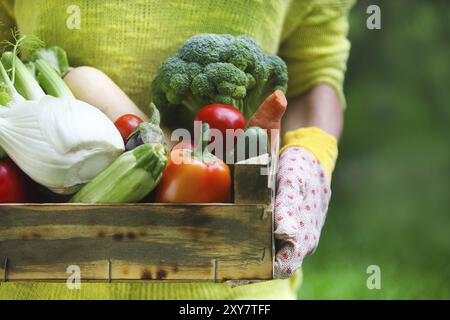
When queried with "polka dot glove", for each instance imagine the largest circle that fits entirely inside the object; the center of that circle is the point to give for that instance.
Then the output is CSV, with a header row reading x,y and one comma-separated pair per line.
x,y
301,204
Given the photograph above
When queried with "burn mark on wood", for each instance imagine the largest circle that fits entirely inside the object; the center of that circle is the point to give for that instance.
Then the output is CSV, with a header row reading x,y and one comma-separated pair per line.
x,y
162,274
196,219
146,275
118,236
142,233
131,235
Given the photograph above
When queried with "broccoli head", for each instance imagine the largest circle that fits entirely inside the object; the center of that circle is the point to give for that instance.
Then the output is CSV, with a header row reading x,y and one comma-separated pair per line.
x,y
213,68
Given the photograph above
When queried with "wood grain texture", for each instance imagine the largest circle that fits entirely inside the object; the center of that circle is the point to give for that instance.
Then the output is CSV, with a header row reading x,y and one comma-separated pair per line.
x,y
250,183
254,179
145,242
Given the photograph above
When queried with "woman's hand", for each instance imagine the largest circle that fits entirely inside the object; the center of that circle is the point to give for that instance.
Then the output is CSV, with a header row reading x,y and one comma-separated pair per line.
x,y
303,182
312,124
303,194
301,203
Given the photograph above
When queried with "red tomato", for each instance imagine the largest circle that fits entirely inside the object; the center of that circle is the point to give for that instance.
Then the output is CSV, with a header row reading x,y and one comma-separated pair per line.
x,y
188,179
194,176
184,144
221,117
126,124
14,184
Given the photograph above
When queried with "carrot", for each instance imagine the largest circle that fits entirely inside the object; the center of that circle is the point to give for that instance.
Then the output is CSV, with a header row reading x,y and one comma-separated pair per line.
x,y
269,113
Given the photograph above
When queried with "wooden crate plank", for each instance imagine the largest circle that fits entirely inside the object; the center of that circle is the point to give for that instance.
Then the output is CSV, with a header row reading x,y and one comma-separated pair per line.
x,y
142,241
254,179
250,182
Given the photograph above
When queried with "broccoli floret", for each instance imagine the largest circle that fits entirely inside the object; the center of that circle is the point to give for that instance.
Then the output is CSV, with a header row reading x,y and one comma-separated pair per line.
x,y
211,68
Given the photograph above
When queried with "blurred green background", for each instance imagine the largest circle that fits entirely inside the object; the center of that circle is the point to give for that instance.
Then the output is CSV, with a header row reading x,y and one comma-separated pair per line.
x,y
391,187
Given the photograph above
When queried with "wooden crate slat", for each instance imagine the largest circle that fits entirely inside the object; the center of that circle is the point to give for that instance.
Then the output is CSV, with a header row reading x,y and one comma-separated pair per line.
x,y
254,192
142,241
254,178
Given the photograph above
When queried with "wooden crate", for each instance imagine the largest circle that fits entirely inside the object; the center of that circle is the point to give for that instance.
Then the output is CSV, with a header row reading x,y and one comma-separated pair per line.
x,y
146,242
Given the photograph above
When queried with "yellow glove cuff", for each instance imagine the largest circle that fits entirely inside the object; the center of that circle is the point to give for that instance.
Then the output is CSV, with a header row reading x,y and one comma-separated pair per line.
x,y
321,144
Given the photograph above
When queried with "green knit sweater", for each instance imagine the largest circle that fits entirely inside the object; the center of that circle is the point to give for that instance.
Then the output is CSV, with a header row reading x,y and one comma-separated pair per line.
x,y
129,39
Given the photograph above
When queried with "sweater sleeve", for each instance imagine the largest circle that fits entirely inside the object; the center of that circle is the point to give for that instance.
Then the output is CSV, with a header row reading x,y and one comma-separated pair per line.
x,y
316,51
6,18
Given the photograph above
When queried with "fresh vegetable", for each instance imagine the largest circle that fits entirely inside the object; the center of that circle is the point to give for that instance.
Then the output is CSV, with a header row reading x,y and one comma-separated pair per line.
x,y
4,97
253,142
59,142
213,68
268,115
221,117
14,184
55,56
194,176
24,84
126,125
90,85
49,80
129,179
23,81
86,83
146,132
4,100
184,144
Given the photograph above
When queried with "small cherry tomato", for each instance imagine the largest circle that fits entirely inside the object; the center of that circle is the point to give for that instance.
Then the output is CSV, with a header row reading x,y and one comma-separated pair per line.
x,y
14,184
126,124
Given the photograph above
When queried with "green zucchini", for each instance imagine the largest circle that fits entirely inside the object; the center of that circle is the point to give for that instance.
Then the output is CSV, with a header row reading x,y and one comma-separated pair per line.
x,y
130,178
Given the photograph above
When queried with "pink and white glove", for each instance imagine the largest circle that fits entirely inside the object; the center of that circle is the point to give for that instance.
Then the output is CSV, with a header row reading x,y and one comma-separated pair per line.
x,y
301,204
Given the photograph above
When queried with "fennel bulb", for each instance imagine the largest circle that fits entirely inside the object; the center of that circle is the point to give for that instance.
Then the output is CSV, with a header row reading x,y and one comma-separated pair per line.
x,y
61,143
